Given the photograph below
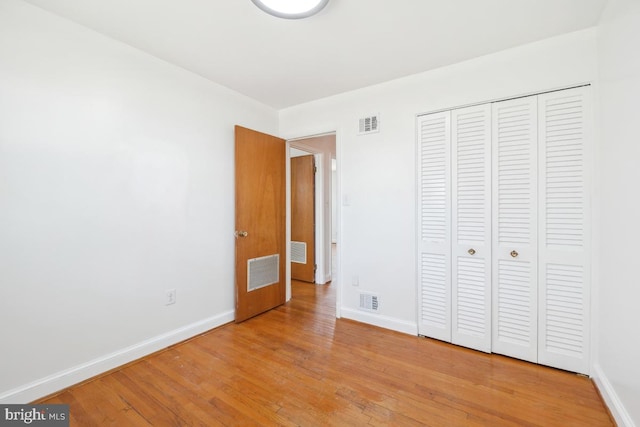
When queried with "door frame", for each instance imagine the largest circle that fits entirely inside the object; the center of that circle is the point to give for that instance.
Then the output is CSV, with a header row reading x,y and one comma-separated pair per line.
x,y
321,162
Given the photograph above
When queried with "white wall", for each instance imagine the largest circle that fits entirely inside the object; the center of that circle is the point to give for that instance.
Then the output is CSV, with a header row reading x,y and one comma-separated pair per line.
x,y
116,183
619,168
377,171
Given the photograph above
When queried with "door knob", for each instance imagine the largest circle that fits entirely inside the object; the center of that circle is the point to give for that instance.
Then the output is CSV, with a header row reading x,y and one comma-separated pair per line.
x,y
514,254
471,251
242,233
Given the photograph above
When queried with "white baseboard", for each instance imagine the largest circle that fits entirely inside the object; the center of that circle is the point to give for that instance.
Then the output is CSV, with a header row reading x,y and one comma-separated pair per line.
x,y
386,322
63,379
613,402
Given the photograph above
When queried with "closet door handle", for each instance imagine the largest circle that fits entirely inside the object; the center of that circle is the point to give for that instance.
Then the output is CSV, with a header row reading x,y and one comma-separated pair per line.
x,y
514,254
472,251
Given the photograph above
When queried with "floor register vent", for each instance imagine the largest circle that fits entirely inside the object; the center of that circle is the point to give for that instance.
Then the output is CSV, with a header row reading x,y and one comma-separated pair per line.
x,y
369,302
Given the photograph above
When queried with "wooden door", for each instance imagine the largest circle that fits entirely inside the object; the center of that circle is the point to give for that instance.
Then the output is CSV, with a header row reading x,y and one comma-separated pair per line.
x,y
303,218
434,225
515,231
471,227
260,222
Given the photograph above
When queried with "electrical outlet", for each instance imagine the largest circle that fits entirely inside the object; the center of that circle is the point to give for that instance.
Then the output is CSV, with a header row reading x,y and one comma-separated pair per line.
x,y
170,297
355,281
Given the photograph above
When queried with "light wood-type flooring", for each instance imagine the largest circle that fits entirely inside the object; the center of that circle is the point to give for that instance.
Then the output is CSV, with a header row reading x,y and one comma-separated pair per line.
x,y
299,366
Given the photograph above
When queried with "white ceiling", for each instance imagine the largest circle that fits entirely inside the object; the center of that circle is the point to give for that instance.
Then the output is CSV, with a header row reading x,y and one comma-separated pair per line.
x,y
349,45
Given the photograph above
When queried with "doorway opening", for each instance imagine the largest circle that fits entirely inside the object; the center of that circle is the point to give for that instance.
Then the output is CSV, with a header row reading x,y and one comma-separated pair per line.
x,y
322,150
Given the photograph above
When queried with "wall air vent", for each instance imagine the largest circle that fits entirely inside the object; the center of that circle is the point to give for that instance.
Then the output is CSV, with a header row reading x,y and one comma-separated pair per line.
x,y
369,124
369,302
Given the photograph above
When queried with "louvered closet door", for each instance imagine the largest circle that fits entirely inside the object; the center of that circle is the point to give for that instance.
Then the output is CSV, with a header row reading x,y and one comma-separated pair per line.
x,y
471,227
434,211
564,229
514,246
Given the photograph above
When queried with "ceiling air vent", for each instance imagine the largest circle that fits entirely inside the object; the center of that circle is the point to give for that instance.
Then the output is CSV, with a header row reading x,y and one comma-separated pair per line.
x,y
369,302
369,124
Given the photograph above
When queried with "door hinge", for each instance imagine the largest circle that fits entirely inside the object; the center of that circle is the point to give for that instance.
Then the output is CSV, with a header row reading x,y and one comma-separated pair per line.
x,y
315,268
315,169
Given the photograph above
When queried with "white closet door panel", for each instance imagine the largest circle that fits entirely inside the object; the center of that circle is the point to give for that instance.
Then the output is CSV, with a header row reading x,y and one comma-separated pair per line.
x,y
514,211
564,274
471,227
434,213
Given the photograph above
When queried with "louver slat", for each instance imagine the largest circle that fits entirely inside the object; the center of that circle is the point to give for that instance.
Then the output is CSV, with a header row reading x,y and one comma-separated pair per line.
x,y
434,291
471,227
564,234
514,303
470,297
564,171
564,305
470,149
514,151
434,212
433,160
514,167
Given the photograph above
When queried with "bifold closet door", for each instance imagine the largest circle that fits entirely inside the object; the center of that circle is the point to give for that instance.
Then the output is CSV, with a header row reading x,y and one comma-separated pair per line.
x,y
504,227
434,224
564,119
471,227
514,245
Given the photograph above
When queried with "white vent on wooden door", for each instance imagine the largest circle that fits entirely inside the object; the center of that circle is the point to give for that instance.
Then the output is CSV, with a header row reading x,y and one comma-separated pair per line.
x,y
369,124
263,271
369,302
564,160
299,252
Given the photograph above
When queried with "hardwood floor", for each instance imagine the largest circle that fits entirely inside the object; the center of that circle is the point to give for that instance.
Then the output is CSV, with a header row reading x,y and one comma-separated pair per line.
x,y
298,366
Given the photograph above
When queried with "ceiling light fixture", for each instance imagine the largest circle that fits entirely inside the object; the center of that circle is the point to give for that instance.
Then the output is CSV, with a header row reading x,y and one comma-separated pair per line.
x,y
291,9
